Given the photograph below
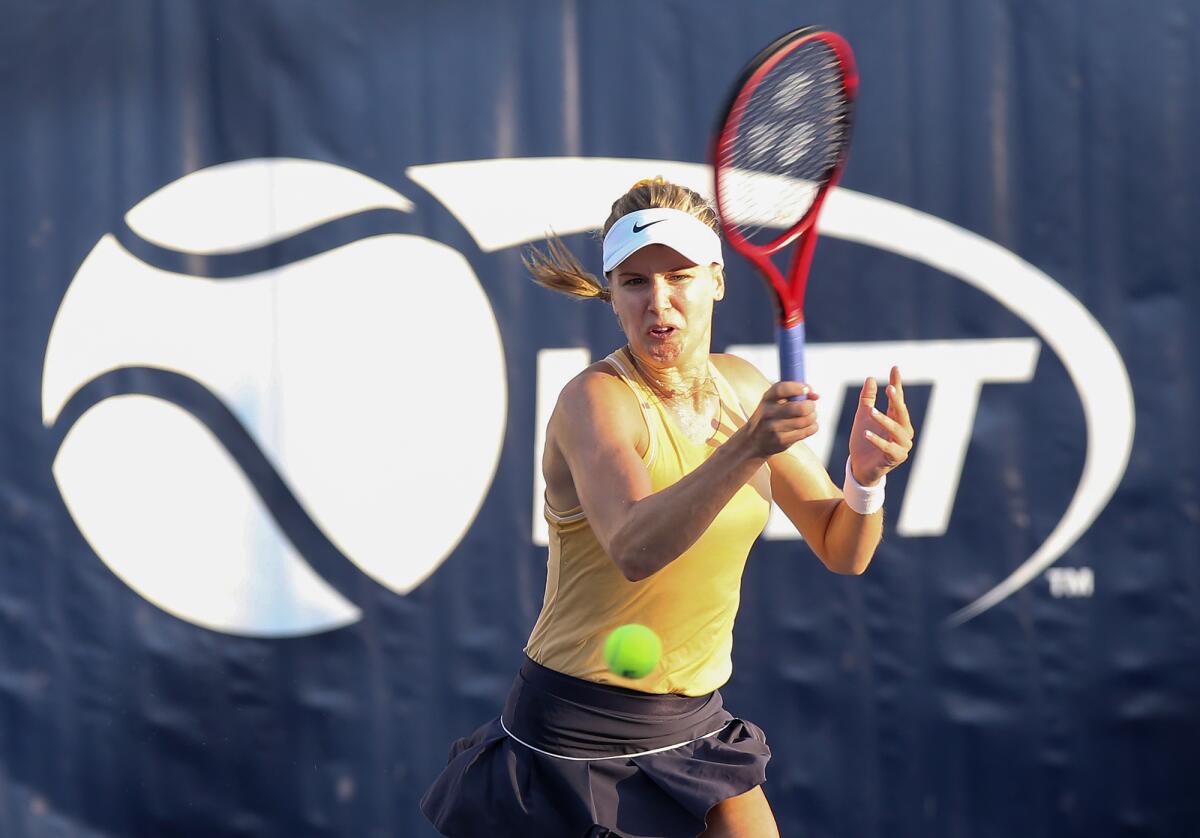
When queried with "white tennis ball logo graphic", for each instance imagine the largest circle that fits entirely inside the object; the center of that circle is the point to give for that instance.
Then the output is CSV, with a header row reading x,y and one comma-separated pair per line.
x,y
346,369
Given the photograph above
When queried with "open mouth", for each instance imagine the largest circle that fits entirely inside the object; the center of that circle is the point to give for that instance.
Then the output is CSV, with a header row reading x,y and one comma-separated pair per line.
x,y
662,331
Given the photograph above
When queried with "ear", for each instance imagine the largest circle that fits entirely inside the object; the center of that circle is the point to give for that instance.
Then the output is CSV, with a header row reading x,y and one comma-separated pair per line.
x,y
718,275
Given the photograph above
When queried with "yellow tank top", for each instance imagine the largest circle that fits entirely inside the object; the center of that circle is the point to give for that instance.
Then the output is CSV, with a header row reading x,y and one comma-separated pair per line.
x,y
691,603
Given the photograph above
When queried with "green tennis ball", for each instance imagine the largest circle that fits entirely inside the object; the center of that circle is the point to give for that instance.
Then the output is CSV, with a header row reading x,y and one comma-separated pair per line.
x,y
631,651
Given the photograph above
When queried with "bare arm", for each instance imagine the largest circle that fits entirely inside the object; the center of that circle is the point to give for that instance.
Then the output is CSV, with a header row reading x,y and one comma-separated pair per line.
x,y
596,427
879,442
842,539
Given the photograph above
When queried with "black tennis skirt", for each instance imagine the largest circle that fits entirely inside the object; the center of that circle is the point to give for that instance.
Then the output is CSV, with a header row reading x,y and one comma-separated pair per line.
x,y
570,758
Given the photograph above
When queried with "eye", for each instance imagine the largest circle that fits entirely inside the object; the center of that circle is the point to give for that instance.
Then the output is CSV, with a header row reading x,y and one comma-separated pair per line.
x,y
680,277
633,280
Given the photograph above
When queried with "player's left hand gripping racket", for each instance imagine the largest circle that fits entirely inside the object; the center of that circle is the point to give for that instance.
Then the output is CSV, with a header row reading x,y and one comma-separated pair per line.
x,y
781,144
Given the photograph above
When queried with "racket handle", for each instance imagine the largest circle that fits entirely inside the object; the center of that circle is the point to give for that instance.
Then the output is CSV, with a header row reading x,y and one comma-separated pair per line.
x,y
791,354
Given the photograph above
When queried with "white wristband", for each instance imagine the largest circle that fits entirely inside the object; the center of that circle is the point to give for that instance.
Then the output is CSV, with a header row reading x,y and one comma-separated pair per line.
x,y
862,499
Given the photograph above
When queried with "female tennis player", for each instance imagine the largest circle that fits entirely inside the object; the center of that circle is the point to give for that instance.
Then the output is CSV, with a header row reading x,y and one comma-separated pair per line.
x,y
660,463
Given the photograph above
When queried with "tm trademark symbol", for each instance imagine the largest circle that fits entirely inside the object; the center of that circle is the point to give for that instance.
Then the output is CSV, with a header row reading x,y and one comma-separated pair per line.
x,y
1071,582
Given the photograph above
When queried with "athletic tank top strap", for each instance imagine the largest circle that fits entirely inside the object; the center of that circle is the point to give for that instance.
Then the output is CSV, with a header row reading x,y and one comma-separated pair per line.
x,y
729,396
619,361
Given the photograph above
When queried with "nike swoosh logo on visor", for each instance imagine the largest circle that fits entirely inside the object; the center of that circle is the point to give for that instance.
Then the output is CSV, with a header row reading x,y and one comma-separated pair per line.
x,y
637,228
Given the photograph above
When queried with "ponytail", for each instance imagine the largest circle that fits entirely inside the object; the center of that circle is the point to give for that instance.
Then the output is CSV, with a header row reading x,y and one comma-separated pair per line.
x,y
558,269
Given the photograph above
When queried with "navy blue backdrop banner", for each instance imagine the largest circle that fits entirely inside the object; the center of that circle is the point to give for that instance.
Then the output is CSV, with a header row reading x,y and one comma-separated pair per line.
x,y
273,386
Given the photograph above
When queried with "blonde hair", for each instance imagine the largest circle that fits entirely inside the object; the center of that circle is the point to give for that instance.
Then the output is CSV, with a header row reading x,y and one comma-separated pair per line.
x,y
558,269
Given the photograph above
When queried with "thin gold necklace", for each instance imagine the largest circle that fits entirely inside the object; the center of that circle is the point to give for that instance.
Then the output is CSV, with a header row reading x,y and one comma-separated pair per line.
x,y
708,384
697,425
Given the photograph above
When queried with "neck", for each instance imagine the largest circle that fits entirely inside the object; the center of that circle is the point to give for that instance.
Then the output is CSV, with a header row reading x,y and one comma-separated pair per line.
x,y
682,381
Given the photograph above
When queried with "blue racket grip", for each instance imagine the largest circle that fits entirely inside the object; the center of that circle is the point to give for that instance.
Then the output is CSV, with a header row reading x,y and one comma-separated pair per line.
x,y
791,354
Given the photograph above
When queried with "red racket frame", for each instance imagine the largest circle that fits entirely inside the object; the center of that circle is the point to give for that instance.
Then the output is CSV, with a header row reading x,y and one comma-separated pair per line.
x,y
790,292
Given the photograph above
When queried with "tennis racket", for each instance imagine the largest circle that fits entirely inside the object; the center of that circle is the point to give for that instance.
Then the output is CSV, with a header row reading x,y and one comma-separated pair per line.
x,y
780,146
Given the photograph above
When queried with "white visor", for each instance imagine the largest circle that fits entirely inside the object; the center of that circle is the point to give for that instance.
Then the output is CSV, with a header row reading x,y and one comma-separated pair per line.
x,y
682,232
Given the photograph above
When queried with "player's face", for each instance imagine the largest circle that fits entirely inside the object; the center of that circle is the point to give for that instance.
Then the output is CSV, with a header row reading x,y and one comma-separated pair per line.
x,y
664,303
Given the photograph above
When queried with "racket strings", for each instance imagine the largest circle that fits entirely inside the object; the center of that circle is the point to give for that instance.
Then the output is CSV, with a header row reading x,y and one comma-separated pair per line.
x,y
787,143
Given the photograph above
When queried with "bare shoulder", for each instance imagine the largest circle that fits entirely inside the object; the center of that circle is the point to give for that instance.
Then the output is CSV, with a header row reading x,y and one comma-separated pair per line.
x,y
736,368
596,422
597,398
744,377
597,386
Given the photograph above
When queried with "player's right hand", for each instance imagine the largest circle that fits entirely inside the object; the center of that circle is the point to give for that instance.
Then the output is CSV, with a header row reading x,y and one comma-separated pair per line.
x,y
778,423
